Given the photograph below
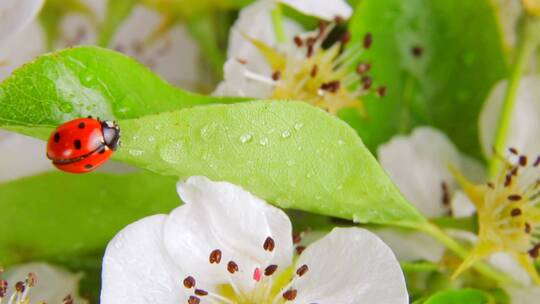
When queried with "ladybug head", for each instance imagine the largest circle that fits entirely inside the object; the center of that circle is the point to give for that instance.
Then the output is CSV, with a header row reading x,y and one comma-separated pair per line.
x,y
111,134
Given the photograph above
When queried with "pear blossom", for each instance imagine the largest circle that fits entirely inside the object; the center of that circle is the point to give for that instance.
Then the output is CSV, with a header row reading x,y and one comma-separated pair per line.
x,y
421,167
225,245
418,165
524,129
41,282
261,65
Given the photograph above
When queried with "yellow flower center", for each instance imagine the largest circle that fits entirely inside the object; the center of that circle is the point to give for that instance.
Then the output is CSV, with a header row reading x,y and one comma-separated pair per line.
x,y
269,285
323,77
508,213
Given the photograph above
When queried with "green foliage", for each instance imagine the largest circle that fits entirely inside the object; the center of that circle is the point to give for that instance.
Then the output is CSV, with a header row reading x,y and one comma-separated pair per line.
x,y
55,215
459,58
275,149
88,81
469,296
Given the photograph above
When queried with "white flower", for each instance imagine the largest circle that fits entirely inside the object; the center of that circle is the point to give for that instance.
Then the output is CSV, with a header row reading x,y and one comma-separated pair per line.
x,y
524,129
227,246
15,15
419,165
296,67
47,283
21,156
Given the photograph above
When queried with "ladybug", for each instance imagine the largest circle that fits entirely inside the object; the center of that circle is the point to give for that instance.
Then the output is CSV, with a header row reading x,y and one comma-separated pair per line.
x,y
81,145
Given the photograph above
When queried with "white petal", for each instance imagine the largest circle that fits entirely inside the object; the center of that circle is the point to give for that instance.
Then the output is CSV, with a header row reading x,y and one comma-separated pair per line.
x,y
524,127
327,10
220,215
255,21
236,82
523,295
418,164
22,156
510,266
15,15
137,269
174,55
21,48
349,266
462,205
412,246
53,283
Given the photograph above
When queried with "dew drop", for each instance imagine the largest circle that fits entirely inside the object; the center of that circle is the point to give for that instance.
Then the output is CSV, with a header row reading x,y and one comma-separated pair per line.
x,y
136,152
340,142
66,107
171,152
151,139
286,134
263,141
298,126
290,162
245,138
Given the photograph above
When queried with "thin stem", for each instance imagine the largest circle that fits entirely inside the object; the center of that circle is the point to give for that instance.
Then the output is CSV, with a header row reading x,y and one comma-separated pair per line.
x,y
526,46
460,251
277,22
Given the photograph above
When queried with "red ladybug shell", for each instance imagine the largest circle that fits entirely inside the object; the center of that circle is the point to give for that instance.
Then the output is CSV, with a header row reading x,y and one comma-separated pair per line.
x,y
78,146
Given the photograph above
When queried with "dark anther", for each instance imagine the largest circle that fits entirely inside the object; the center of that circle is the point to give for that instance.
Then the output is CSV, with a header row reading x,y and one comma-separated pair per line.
x,y
302,270
368,40
363,67
514,197
215,257
276,75
268,271
201,292
417,51
515,212
232,267
189,282
290,294
269,244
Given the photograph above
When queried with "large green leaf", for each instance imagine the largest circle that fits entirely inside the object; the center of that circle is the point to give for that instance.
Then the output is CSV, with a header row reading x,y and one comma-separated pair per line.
x,y
289,153
469,296
88,81
56,215
292,154
445,86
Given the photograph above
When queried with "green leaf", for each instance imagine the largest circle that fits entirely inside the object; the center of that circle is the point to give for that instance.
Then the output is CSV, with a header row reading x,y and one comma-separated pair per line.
x,y
469,296
274,149
88,81
292,154
55,215
462,57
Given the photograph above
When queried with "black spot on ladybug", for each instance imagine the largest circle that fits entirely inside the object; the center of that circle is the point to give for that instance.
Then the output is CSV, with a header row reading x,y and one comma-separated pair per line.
x,y
77,144
56,137
82,125
88,166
